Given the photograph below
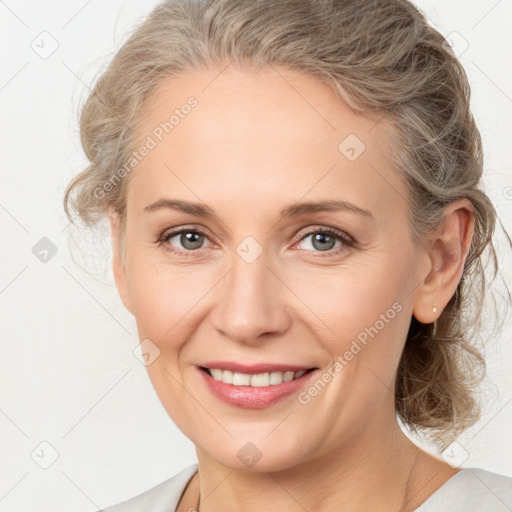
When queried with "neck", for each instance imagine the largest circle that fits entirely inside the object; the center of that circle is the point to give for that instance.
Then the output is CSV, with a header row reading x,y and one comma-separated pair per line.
x,y
377,469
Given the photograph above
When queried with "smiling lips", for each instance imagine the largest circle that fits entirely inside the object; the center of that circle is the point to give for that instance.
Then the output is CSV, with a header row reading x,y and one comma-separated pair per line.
x,y
253,386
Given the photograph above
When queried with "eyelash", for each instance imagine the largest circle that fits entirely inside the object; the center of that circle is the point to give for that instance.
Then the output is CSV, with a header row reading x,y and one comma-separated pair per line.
x,y
339,235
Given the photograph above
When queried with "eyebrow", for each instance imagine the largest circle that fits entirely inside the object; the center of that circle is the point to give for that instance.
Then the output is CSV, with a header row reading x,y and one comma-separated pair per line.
x,y
293,210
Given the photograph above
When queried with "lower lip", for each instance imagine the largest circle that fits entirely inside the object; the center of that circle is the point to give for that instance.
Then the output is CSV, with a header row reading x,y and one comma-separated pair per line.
x,y
248,397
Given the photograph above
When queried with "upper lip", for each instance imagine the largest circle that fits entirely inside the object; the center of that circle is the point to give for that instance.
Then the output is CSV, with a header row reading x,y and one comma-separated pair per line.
x,y
254,368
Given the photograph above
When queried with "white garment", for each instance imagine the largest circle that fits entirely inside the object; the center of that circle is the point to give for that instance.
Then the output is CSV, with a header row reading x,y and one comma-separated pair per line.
x,y
469,490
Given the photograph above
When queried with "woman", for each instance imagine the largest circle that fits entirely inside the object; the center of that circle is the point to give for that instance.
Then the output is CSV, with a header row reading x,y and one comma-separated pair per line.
x,y
230,140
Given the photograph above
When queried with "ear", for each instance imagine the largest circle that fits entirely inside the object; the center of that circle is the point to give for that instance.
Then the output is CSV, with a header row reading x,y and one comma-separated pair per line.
x,y
446,257
118,265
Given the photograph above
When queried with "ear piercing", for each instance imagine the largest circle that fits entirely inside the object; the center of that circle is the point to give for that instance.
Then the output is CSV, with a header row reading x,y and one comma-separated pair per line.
x,y
434,309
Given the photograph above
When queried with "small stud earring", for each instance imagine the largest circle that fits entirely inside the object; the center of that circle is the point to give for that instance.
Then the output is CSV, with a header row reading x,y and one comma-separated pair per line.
x,y
434,309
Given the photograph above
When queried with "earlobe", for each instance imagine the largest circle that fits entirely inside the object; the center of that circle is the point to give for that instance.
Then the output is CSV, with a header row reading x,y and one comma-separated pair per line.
x,y
447,256
118,266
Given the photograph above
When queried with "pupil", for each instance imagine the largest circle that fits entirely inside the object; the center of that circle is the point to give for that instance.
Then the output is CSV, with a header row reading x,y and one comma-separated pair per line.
x,y
191,238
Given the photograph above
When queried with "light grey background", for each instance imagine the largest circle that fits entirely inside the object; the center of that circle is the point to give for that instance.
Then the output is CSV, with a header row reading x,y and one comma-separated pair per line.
x,y
68,375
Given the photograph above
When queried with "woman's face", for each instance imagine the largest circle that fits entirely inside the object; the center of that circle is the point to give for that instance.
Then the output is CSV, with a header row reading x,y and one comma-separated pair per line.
x,y
234,262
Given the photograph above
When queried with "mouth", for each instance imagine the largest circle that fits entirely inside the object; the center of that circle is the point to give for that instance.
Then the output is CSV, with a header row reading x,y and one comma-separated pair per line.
x,y
263,379
254,388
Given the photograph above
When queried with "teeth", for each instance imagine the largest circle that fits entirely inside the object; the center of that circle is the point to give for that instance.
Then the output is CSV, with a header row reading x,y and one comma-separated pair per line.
x,y
254,380
241,379
216,373
260,380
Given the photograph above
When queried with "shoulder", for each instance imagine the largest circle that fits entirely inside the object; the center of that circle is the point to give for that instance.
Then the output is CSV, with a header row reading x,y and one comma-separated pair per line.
x,y
161,498
472,490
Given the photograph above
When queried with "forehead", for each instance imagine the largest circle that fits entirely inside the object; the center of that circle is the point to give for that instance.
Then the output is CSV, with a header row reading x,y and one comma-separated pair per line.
x,y
260,136
253,105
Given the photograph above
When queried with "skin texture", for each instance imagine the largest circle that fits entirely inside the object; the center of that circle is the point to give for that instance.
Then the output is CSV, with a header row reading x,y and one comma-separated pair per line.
x,y
258,141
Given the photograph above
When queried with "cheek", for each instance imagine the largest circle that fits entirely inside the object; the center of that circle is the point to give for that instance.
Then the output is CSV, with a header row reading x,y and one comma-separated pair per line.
x,y
344,301
165,307
361,316
166,301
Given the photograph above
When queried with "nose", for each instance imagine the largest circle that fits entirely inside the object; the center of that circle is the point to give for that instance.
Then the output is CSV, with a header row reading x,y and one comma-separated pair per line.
x,y
251,303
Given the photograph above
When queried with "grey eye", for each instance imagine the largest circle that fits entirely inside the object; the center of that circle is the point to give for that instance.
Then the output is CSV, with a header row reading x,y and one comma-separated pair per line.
x,y
189,240
321,241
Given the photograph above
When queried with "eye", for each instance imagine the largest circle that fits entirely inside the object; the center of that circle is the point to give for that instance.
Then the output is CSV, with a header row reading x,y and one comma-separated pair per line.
x,y
191,240
325,239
